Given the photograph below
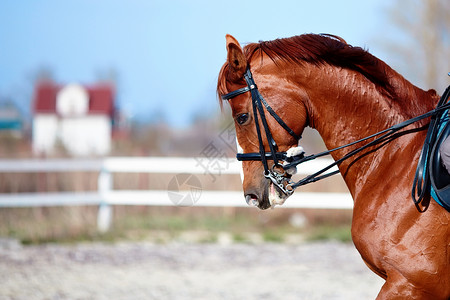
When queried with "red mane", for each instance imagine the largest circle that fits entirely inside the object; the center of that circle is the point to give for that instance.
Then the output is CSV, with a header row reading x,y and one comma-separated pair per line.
x,y
319,49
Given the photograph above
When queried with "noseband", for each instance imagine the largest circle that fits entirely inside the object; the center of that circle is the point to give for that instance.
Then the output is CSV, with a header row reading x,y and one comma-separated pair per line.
x,y
280,179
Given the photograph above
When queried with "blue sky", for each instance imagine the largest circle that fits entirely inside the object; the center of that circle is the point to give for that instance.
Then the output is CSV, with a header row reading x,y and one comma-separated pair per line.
x,y
167,53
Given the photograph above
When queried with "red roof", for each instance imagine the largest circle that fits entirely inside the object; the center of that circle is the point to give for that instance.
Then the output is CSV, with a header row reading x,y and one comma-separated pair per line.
x,y
101,98
45,98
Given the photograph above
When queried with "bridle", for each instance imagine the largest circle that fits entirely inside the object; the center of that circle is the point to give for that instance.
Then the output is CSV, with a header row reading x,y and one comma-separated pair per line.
x,y
283,182
278,179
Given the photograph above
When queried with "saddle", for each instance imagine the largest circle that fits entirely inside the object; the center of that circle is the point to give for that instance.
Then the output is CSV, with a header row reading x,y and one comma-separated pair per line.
x,y
439,176
431,176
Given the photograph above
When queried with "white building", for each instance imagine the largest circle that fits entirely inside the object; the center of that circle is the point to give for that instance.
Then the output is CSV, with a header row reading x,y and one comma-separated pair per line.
x,y
75,117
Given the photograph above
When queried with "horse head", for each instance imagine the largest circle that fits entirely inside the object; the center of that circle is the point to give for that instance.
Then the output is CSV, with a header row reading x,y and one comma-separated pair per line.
x,y
282,97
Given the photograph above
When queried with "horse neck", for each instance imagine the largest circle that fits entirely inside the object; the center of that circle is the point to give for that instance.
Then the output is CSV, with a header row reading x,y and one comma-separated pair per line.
x,y
344,106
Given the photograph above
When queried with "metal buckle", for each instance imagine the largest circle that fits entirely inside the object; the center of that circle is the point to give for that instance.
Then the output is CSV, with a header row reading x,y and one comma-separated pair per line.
x,y
278,180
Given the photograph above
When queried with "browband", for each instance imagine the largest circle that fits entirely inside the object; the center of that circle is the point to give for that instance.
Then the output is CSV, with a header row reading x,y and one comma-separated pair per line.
x,y
235,93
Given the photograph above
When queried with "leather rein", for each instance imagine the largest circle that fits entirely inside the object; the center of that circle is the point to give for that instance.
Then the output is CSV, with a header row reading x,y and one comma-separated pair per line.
x,y
280,180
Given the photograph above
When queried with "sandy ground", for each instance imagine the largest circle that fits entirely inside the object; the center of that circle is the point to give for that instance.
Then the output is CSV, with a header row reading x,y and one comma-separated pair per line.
x,y
325,270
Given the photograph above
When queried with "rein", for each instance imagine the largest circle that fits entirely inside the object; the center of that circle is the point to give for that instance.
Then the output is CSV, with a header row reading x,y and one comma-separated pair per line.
x,y
280,180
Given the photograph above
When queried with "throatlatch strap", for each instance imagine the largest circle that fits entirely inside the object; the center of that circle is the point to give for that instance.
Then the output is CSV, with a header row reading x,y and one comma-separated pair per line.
x,y
279,120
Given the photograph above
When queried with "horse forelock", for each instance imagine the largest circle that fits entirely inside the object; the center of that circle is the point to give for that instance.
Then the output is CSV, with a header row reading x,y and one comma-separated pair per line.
x,y
222,84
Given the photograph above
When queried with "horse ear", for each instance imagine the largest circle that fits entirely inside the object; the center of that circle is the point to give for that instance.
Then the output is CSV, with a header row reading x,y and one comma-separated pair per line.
x,y
236,59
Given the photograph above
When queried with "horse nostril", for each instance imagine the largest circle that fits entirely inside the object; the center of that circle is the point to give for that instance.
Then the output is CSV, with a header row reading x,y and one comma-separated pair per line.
x,y
251,199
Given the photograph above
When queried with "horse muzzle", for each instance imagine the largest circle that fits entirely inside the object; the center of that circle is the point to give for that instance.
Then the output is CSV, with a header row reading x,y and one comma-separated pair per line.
x,y
272,192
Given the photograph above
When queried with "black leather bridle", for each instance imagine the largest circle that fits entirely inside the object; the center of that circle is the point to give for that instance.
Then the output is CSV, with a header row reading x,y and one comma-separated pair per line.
x,y
284,182
278,179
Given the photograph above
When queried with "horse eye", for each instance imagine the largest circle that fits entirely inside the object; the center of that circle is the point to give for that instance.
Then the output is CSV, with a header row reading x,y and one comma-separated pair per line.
x,y
242,118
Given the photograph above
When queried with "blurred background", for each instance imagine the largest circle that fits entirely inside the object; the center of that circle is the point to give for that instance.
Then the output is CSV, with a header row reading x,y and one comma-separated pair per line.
x,y
86,79
88,87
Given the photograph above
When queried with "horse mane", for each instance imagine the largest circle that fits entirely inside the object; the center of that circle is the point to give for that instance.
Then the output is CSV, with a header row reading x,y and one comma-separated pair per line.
x,y
325,48
319,49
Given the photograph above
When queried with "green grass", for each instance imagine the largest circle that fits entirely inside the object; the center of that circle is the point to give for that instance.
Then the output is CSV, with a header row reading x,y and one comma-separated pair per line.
x,y
327,232
162,225
239,238
273,236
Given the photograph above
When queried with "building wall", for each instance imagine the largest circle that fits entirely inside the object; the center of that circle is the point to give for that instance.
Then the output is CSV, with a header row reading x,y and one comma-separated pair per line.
x,y
80,136
45,128
87,135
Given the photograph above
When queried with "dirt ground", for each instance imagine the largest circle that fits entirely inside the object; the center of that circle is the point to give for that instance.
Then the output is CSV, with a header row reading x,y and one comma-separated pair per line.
x,y
321,270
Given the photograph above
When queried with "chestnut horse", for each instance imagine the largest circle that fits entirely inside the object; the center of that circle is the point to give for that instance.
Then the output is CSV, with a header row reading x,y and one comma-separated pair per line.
x,y
346,94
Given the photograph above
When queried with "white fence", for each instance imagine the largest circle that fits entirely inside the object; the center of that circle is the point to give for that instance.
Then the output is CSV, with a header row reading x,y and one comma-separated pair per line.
x,y
106,196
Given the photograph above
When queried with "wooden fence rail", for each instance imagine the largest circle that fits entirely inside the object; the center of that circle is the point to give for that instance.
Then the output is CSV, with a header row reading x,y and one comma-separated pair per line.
x,y
105,196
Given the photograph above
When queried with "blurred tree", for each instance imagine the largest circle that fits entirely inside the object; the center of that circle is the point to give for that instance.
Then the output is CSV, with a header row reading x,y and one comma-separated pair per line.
x,y
423,50
108,75
41,74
